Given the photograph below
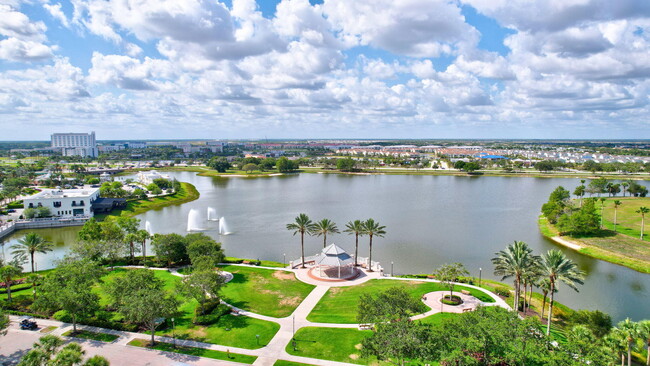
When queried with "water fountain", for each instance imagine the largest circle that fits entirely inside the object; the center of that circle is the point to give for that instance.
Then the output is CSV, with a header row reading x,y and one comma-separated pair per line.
x,y
223,228
212,214
147,227
194,221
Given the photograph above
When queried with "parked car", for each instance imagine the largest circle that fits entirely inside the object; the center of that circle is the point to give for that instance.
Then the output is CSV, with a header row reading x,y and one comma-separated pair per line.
x,y
11,210
28,324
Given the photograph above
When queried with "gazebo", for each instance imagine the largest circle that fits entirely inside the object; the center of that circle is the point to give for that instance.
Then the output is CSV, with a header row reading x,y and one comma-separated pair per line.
x,y
334,262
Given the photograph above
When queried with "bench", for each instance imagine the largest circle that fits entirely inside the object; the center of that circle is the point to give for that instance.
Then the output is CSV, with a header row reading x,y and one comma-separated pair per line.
x,y
467,309
465,292
365,327
234,312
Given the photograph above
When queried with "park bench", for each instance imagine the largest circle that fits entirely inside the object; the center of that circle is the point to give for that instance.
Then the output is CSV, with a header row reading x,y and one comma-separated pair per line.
x,y
465,292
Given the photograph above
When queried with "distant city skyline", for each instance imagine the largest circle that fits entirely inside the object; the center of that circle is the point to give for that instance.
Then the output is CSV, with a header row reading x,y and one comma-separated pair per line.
x,y
333,69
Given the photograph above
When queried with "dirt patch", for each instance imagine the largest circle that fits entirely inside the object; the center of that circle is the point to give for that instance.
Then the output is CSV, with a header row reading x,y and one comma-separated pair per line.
x,y
197,332
290,301
354,356
335,290
358,346
282,275
415,283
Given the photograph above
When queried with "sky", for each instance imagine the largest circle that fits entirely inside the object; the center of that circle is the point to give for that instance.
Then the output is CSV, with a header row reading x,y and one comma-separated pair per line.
x,y
193,69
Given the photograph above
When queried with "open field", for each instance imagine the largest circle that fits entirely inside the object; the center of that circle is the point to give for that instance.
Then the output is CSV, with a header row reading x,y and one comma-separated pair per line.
x,y
628,220
339,305
335,344
264,291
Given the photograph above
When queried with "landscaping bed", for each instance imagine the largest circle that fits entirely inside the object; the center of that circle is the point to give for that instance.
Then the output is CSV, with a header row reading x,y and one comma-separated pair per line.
x,y
94,336
195,351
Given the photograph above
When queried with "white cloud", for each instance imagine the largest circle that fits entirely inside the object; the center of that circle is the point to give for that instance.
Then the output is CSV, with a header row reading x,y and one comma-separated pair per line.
x,y
56,13
25,40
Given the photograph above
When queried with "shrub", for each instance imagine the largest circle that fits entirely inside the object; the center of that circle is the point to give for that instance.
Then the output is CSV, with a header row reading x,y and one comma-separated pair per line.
x,y
213,312
62,316
502,291
451,300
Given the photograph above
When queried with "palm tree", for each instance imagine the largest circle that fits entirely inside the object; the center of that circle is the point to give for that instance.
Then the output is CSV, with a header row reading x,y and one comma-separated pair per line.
x,y
644,332
372,228
625,185
142,236
302,225
530,276
602,210
325,226
30,244
616,341
630,330
557,267
642,210
355,227
7,274
513,262
616,204
545,286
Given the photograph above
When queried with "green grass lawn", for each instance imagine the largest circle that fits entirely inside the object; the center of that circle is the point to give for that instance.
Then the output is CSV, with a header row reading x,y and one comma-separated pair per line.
x,y
95,336
437,318
290,363
335,344
195,351
339,305
627,219
229,331
264,291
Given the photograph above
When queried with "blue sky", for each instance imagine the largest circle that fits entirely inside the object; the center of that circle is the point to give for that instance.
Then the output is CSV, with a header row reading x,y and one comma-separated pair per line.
x,y
325,69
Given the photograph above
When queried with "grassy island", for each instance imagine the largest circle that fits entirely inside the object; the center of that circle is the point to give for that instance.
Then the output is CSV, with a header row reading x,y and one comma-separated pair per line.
x,y
623,246
186,193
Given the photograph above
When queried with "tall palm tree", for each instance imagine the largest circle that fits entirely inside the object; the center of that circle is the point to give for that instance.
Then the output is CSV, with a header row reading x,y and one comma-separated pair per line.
x,y
616,341
513,262
142,236
616,204
545,286
625,185
642,210
302,225
531,275
30,244
325,226
602,210
630,330
372,228
644,332
557,267
355,227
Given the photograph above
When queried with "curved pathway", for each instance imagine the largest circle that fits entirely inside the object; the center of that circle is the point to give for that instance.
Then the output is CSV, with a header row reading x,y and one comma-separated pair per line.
x,y
275,349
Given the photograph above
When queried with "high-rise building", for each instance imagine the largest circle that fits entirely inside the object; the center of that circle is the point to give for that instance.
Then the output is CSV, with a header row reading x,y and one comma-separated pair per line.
x,y
71,144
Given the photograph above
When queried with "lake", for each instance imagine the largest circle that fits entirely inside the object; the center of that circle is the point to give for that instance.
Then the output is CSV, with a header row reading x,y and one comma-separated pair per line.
x,y
430,220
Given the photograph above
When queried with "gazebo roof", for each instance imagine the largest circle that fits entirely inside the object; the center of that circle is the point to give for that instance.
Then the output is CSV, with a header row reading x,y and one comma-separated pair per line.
x,y
333,256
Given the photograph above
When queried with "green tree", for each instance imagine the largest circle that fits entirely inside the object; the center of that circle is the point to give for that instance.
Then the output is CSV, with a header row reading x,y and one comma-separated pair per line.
x,y
471,167
346,164
599,323
544,166
558,268
585,221
642,210
514,262
616,204
302,225
598,185
285,165
48,352
4,323
602,211
201,246
8,272
323,227
644,332
30,244
170,248
146,304
372,229
390,305
448,274
69,288
248,168
579,192
202,284
357,229
630,330
219,164
267,164
397,342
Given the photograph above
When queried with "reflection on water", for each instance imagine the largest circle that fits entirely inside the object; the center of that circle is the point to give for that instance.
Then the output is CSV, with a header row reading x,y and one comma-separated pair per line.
x,y
430,220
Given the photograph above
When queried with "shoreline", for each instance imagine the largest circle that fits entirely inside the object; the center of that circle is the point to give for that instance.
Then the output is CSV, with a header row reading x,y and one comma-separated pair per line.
x,y
548,231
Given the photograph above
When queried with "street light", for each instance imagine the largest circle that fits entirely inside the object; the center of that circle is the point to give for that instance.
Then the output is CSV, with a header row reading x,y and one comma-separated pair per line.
x,y
391,268
284,259
173,335
480,270
258,339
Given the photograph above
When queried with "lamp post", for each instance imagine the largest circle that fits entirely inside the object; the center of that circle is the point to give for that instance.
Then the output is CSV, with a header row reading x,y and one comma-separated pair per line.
x,y
284,259
293,331
257,336
480,272
391,268
173,335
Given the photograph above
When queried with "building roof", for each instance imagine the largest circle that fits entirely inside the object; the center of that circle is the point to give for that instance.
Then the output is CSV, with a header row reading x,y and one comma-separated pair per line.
x,y
333,256
59,193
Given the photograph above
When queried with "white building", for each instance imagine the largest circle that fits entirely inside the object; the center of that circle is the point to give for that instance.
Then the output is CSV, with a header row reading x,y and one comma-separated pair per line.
x,y
147,177
65,202
71,144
